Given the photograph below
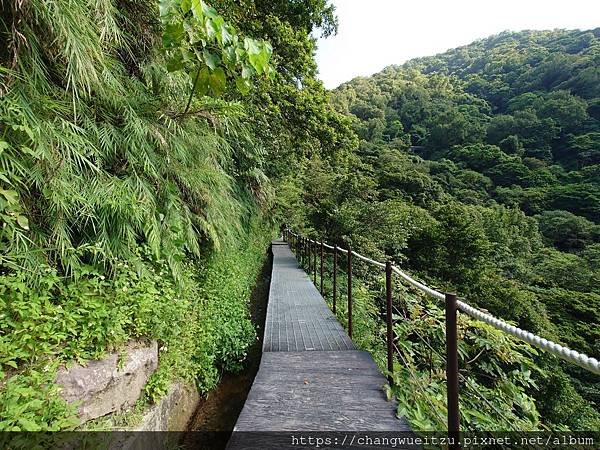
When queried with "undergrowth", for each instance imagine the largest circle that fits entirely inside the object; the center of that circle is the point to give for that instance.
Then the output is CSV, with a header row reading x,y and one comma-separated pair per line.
x,y
499,374
202,328
120,217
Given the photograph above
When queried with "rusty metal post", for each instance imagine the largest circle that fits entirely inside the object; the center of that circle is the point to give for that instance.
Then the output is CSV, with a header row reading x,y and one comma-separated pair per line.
x,y
315,263
389,322
452,370
335,263
307,244
321,268
350,292
304,251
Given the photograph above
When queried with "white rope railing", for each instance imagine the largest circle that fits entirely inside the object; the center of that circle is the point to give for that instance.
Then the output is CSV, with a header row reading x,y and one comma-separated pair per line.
x,y
565,353
588,363
420,286
369,260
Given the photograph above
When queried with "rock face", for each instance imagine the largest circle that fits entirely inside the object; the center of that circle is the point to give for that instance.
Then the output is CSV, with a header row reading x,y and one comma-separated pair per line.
x,y
172,414
174,411
110,384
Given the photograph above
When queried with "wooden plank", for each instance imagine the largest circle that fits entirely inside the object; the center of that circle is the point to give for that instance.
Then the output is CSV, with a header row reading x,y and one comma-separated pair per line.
x,y
316,391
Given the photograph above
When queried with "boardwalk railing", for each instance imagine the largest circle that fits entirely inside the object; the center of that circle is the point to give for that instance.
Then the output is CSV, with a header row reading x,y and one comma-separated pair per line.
x,y
307,249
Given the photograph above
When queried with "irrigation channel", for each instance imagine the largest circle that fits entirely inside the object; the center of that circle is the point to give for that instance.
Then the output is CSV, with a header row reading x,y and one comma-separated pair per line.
x,y
211,426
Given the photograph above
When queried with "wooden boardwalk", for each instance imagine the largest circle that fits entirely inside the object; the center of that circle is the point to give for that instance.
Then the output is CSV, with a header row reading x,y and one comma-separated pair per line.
x,y
311,376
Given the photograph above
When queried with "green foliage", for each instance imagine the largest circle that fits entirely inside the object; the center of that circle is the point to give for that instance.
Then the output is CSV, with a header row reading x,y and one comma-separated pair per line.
x,y
497,372
98,175
202,328
475,170
198,41
566,231
129,214
29,401
120,217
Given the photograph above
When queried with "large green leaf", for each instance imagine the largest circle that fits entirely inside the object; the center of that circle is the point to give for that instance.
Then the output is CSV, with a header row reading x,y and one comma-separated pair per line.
x,y
247,71
209,11
217,82
202,84
186,5
197,11
165,8
12,197
210,29
173,34
252,46
23,222
242,85
210,59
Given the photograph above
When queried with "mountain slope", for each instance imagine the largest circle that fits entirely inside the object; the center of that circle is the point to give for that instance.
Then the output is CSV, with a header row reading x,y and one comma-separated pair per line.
x,y
483,163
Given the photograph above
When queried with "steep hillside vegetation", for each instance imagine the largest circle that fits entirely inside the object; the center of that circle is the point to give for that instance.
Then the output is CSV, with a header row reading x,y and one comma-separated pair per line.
x,y
136,144
479,169
149,149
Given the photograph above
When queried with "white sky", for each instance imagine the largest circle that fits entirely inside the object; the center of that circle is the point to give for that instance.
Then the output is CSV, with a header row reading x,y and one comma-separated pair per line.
x,y
374,34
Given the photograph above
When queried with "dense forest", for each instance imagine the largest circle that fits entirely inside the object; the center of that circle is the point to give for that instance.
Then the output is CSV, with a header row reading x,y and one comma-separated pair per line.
x,y
148,151
478,169
140,147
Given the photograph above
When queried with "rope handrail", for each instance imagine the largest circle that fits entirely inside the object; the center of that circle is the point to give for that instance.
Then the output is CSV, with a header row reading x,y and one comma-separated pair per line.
x,y
432,292
565,353
369,260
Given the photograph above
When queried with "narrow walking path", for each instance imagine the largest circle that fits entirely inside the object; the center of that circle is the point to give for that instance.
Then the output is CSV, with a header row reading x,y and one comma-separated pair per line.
x,y
311,377
298,319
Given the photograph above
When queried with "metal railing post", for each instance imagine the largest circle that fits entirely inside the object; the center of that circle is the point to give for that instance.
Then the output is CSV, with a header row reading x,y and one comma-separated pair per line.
x,y
305,257
350,292
305,252
452,370
335,263
389,322
321,268
315,263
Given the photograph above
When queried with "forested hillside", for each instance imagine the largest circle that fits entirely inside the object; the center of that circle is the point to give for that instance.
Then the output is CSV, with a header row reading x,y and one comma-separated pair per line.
x,y
141,144
149,151
479,170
